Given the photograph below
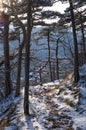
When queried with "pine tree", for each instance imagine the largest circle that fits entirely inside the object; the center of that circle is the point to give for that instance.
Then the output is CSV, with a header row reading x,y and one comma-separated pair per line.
x,y
76,62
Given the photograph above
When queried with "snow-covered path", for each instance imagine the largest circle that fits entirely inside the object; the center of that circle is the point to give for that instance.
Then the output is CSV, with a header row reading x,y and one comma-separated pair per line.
x,y
53,106
19,121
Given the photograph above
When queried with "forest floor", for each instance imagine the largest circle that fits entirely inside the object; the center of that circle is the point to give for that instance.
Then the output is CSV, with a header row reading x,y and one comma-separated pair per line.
x,y
58,105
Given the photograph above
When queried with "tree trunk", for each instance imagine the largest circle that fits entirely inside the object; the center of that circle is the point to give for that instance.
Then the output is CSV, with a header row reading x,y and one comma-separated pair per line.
x,y
76,62
20,62
49,57
6,55
53,72
40,75
83,39
27,57
20,50
57,63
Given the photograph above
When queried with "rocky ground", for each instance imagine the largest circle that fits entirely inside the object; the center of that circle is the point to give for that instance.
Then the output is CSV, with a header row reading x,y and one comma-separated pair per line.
x,y
59,105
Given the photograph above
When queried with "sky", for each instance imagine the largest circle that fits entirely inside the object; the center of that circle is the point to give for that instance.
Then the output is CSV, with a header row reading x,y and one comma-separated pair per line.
x,y
59,7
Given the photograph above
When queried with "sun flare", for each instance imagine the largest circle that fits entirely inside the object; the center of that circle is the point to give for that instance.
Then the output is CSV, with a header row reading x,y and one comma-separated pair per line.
x,y
1,5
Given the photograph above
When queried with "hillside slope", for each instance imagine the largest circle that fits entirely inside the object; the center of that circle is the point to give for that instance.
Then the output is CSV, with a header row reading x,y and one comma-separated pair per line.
x,y
58,105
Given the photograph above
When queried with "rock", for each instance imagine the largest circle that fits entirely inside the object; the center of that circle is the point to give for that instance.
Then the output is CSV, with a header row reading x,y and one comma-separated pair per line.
x,y
78,128
20,124
36,127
